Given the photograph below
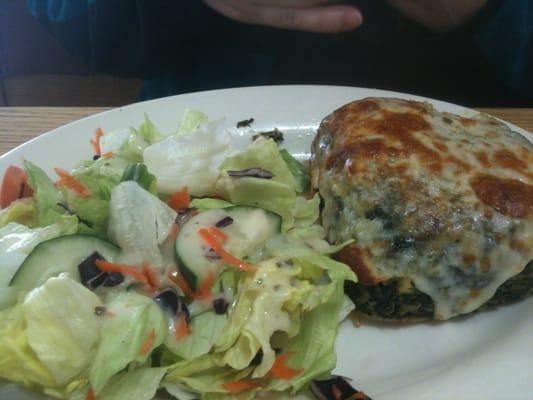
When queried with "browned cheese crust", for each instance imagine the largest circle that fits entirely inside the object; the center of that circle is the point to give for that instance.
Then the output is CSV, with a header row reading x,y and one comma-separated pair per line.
x,y
431,198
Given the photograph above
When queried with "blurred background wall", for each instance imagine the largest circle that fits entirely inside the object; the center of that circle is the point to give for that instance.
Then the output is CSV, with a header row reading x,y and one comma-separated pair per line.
x,y
36,71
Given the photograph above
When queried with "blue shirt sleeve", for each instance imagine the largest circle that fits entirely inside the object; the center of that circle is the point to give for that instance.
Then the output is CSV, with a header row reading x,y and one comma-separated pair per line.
x,y
506,41
150,39
178,45
129,38
58,10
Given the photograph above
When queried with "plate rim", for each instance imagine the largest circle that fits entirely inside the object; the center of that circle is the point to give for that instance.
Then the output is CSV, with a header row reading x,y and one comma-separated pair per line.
x,y
385,93
439,104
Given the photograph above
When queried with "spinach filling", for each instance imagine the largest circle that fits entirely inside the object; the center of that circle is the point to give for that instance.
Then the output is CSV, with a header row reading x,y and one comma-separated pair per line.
x,y
398,299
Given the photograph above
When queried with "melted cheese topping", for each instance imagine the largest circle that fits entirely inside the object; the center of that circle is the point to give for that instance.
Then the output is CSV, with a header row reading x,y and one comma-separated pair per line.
x,y
444,200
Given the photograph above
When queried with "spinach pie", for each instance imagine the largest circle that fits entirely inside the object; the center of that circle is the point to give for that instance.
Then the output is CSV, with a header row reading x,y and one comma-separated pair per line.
x,y
440,207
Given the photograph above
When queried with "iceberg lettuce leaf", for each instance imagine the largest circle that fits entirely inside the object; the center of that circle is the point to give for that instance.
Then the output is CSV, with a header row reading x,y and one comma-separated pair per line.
x,y
138,222
287,248
20,211
91,212
191,121
112,142
148,131
190,161
205,330
138,172
9,264
16,242
47,340
132,150
45,195
298,170
178,391
313,348
19,238
134,318
62,328
293,302
18,362
129,144
262,153
306,212
207,203
138,384
268,194
278,194
205,375
100,177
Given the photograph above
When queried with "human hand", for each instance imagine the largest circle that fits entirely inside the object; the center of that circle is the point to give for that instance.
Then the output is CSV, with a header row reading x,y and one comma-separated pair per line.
x,y
439,15
305,15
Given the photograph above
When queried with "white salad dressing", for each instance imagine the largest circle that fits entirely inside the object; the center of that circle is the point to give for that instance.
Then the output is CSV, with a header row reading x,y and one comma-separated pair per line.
x,y
267,316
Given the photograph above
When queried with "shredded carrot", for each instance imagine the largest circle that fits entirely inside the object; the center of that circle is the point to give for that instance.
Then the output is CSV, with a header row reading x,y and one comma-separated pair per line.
x,y
67,180
337,394
148,343
107,266
179,280
240,386
182,327
281,371
96,141
90,395
61,173
203,291
108,154
180,200
218,234
217,247
151,276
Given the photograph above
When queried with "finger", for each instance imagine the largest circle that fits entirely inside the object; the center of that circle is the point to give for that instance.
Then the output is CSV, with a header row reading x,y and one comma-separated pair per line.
x,y
292,3
327,19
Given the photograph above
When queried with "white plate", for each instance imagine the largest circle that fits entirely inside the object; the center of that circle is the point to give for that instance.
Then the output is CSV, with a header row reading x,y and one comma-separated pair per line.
x,y
485,356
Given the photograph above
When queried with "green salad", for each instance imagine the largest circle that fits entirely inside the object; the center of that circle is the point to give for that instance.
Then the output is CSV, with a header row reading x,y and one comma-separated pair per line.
x,y
170,261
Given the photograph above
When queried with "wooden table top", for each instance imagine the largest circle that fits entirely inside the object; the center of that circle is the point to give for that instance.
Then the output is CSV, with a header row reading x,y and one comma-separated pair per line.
x,y
20,124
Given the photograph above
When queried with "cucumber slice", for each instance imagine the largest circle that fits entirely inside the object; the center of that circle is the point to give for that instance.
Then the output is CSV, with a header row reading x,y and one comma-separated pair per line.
x,y
250,229
62,254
